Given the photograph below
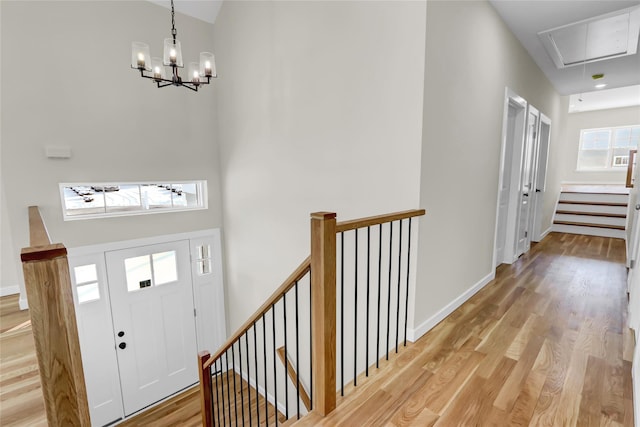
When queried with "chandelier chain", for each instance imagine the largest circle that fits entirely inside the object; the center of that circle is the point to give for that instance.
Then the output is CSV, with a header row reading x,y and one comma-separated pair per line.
x,y
174,32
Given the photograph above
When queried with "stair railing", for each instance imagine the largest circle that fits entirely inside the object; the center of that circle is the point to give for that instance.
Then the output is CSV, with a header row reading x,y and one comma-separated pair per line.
x,y
241,383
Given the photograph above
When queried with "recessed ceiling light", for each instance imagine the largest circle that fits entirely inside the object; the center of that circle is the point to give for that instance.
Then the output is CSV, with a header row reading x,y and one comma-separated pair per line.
x,y
601,85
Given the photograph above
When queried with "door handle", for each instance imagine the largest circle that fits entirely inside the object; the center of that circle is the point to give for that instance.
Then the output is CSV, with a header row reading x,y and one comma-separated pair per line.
x,y
638,207
122,345
525,194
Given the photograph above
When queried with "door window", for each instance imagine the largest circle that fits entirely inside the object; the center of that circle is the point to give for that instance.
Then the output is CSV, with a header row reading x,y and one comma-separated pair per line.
x,y
151,270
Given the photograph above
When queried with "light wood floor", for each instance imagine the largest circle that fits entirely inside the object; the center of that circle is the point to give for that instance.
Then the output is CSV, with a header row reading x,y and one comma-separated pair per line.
x,y
544,344
21,402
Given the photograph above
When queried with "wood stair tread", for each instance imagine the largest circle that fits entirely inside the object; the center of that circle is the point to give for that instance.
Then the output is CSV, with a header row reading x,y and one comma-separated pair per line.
x,y
594,192
586,224
577,202
603,214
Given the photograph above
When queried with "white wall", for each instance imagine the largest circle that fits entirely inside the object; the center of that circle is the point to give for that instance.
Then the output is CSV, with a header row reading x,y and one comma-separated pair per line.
x,y
570,140
470,57
8,264
66,80
320,108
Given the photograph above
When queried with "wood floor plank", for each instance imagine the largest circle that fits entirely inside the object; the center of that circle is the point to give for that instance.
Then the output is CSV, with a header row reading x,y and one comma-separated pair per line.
x,y
591,393
512,387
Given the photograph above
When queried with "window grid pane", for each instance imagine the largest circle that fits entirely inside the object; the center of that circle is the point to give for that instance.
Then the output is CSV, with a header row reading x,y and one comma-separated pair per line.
x,y
89,292
165,268
138,272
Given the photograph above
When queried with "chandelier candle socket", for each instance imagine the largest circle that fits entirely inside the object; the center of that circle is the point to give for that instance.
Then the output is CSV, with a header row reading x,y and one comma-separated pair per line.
x,y
154,69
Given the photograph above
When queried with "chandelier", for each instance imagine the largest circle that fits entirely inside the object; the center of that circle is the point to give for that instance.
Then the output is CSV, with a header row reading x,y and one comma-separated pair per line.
x,y
154,68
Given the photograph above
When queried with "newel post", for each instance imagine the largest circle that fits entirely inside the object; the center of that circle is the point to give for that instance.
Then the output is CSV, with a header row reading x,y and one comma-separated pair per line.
x,y
323,320
55,332
205,389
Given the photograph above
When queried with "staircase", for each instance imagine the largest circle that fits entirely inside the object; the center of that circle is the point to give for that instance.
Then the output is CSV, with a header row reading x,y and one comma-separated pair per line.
x,y
592,210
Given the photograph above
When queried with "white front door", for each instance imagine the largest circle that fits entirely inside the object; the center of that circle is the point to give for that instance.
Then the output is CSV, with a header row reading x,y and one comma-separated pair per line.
x,y
153,321
526,183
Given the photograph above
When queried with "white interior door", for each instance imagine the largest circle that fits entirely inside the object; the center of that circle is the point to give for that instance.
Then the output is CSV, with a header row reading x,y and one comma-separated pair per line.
x,y
153,319
540,177
526,183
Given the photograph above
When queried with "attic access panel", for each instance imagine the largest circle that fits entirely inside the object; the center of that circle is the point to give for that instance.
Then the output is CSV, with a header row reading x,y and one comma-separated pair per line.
x,y
603,37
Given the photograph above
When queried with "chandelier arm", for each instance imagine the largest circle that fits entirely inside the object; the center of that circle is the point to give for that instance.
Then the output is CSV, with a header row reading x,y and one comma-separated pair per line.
x,y
189,86
170,82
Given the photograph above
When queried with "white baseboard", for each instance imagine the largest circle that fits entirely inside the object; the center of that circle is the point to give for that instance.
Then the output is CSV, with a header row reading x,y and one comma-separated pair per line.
x,y
414,334
545,234
9,290
22,302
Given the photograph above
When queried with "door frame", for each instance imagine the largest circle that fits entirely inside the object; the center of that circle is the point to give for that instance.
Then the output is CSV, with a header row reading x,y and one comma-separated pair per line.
x,y
513,148
209,335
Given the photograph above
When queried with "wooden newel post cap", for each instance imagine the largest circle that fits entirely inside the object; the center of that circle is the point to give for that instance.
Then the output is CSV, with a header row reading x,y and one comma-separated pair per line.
x,y
323,215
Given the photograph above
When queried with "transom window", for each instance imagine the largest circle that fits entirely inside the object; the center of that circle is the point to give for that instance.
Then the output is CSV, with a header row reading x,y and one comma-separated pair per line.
x,y
95,200
607,148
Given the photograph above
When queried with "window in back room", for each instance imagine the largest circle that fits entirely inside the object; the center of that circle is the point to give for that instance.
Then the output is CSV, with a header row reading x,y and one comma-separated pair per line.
x,y
607,149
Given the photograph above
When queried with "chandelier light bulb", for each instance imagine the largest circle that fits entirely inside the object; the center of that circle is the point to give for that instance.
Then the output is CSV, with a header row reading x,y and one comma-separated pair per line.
x,y
141,63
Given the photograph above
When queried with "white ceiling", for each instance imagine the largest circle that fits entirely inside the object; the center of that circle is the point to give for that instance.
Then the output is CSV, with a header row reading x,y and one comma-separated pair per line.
x,y
526,18
205,10
602,99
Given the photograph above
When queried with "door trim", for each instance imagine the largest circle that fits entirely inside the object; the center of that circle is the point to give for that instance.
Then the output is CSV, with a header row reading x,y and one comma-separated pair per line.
x,y
144,241
510,98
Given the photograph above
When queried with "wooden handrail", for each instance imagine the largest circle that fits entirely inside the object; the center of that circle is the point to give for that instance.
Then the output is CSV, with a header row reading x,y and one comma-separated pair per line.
x,y
291,371
631,168
41,247
289,283
53,321
378,219
38,235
